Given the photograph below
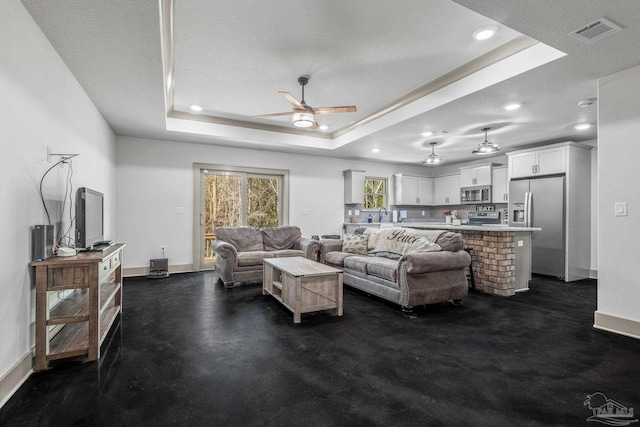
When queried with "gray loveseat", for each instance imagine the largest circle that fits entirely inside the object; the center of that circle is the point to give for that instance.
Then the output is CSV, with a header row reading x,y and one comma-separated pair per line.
x,y
240,250
406,266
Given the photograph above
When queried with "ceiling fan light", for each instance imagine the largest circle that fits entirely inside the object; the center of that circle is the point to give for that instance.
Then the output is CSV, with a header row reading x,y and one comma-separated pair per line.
x,y
303,120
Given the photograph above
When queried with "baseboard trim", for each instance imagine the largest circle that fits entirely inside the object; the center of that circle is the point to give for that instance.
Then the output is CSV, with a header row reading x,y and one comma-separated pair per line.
x,y
617,325
11,381
144,271
593,274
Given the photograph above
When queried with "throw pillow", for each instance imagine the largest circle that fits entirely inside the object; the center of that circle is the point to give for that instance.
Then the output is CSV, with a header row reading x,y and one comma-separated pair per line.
x,y
354,244
422,245
372,235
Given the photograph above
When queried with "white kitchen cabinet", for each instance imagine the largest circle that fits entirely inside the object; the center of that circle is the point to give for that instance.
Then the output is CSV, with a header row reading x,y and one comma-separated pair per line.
x,y
546,161
412,190
447,190
500,191
353,186
477,175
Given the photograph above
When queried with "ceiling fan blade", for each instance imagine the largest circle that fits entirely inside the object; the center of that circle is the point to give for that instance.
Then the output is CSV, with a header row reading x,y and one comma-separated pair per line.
x,y
292,100
332,110
288,113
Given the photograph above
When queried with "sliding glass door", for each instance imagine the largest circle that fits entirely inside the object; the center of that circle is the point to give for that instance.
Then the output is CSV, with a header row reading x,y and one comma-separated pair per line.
x,y
251,197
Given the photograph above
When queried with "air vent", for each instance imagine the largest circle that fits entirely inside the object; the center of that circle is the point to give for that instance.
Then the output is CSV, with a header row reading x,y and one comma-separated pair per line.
x,y
595,30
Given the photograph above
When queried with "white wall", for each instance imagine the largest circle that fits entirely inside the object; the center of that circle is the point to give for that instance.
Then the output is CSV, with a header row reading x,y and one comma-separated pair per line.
x,y
155,177
41,105
618,154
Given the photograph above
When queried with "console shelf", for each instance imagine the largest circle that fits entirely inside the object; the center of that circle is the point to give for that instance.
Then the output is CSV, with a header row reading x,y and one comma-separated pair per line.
x,y
77,325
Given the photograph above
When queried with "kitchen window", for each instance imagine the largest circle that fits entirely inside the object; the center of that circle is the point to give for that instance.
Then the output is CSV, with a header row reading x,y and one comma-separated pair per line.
x,y
375,192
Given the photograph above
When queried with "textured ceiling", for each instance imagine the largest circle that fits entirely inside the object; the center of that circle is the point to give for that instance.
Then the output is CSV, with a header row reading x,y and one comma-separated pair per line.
x,y
234,57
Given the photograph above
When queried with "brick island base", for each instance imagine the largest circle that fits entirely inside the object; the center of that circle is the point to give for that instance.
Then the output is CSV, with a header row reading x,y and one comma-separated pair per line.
x,y
501,260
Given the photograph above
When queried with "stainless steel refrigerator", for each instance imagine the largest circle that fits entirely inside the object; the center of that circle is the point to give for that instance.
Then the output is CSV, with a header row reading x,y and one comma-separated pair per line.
x,y
540,202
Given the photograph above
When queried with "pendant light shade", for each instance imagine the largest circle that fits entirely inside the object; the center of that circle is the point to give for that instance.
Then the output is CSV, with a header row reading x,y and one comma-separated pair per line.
x,y
486,147
433,158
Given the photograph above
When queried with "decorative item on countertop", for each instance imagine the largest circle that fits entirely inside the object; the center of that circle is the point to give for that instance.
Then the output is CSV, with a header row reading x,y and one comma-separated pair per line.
x,y
370,219
455,219
447,217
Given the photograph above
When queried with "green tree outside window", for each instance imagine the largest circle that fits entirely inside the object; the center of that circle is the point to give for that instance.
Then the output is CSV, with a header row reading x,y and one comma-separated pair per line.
x,y
375,193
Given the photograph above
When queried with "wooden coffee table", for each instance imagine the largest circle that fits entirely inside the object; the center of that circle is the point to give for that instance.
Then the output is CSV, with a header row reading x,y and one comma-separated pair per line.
x,y
302,285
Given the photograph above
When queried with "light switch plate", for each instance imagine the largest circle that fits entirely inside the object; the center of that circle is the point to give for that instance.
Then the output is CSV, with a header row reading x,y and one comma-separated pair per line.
x,y
621,208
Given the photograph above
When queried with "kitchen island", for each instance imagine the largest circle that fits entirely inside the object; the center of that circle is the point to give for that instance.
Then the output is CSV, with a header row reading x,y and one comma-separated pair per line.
x,y
501,255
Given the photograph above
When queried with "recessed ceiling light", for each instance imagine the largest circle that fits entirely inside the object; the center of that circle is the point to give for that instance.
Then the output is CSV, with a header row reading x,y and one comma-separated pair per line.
x,y
427,133
375,150
195,108
582,126
512,106
323,127
485,32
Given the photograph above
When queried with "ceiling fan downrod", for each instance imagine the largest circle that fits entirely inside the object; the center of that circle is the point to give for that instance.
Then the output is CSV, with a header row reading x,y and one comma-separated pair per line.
x,y
302,81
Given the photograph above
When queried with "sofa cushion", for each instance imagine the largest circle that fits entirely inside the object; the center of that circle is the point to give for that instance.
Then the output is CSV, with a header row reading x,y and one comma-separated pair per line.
x,y
383,267
283,253
253,257
354,244
336,258
358,263
277,238
244,239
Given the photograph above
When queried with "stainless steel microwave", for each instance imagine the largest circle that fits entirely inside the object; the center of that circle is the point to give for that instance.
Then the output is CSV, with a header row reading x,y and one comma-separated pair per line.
x,y
478,194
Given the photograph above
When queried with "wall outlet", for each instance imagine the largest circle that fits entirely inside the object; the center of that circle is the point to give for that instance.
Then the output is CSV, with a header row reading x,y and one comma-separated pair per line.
x,y
357,212
422,213
163,248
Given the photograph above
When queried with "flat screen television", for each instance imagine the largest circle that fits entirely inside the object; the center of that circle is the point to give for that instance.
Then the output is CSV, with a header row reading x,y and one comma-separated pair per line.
x,y
89,218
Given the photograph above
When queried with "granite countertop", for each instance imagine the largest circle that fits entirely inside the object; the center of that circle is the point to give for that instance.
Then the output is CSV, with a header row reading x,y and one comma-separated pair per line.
x,y
442,225
446,226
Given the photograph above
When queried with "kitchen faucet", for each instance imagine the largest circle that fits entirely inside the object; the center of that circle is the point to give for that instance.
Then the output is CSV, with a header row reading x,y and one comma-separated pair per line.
x,y
380,214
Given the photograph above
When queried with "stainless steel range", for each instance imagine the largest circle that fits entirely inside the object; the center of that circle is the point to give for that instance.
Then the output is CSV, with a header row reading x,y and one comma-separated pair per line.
x,y
487,218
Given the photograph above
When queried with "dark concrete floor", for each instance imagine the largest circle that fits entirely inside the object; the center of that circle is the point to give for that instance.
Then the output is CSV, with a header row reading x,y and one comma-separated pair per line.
x,y
190,352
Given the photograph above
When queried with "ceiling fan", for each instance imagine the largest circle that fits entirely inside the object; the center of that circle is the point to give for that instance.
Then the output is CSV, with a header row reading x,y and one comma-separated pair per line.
x,y
303,115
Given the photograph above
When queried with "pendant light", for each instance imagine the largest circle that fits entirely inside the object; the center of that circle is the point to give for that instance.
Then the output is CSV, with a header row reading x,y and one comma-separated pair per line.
x,y
486,147
433,158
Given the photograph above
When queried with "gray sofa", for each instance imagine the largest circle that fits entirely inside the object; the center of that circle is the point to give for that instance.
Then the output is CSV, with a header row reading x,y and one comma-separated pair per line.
x,y
410,274
240,250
